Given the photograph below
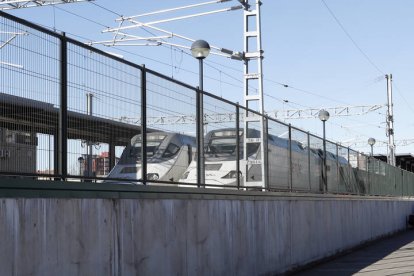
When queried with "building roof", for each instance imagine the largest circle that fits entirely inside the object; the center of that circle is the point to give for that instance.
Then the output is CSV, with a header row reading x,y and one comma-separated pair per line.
x,y
404,160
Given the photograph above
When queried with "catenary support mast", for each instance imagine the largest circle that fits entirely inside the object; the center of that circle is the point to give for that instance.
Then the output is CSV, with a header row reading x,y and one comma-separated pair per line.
x,y
390,122
253,91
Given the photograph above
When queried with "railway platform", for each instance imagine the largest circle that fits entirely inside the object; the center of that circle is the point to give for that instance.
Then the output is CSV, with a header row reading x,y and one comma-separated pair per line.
x,y
390,256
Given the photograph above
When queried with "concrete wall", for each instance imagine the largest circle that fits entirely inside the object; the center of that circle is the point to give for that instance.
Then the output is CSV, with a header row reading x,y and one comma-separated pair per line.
x,y
159,234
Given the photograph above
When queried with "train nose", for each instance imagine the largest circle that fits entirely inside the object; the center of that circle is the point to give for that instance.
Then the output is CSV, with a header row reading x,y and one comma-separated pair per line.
x,y
127,172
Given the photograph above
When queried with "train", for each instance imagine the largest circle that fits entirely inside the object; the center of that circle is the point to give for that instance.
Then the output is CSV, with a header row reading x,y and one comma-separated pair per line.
x,y
171,157
168,156
221,169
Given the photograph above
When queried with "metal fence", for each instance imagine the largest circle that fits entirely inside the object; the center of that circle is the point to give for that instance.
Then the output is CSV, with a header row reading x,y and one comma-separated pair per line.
x,y
69,111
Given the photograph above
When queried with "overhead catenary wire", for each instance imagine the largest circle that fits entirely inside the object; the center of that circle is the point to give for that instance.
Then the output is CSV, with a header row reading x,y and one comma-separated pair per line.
x,y
228,75
281,100
365,55
221,72
402,96
208,63
351,39
106,9
83,17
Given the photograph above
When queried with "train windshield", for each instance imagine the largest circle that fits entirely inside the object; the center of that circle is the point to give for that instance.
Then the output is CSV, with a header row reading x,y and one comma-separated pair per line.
x,y
222,144
226,146
153,143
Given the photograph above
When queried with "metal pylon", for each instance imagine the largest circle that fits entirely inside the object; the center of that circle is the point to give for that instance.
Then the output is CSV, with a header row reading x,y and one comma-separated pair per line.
x,y
390,122
253,92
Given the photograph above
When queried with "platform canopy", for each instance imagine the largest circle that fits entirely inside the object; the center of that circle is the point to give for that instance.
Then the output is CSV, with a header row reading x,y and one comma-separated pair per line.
x,y
27,115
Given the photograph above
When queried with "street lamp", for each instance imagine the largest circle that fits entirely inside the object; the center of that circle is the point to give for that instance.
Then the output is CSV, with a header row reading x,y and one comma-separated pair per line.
x,y
371,142
324,116
200,50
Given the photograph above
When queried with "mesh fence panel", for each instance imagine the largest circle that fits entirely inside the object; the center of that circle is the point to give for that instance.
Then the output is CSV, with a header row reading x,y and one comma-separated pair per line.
x,y
104,124
300,160
104,109
388,181
220,142
278,156
345,184
381,179
373,175
408,180
171,116
252,169
316,163
363,179
29,64
398,182
332,170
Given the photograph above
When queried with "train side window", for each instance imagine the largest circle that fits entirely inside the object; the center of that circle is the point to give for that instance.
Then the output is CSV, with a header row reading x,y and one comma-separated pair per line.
x,y
171,150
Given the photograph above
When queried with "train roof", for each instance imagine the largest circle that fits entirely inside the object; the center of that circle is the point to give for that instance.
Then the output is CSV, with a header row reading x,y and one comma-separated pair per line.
x,y
254,133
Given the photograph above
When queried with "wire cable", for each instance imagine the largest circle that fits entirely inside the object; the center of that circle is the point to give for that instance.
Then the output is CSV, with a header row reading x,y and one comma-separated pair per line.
x,y
106,9
83,17
351,39
209,63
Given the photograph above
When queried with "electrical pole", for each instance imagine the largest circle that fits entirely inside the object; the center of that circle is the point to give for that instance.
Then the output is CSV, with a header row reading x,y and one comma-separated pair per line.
x,y
253,90
390,122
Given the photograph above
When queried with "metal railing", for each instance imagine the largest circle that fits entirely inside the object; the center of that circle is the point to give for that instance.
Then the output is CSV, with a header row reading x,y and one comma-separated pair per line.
x,y
73,112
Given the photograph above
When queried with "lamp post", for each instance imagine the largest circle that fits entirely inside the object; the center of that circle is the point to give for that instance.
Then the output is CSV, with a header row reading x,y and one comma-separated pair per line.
x,y
324,116
200,50
371,142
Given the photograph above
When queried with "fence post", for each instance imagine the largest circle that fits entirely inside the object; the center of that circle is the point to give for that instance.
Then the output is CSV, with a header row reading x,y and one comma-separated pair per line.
x,y
198,132
238,145
63,111
367,163
144,125
266,152
112,157
369,172
309,162
350,171
290,159
338,177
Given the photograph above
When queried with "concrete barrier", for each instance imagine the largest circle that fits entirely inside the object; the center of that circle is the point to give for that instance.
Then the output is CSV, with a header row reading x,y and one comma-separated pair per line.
x,y
172,231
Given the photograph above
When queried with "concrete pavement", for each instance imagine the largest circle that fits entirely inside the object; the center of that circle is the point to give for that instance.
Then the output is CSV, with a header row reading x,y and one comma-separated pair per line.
x,y
391,256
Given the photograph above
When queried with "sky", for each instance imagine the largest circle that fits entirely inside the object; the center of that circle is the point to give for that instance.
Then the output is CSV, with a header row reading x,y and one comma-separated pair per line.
x,y
329,53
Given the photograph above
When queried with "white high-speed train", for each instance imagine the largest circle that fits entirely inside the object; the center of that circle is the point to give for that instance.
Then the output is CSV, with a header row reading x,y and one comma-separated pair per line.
x,y
168,156
220,161
338,171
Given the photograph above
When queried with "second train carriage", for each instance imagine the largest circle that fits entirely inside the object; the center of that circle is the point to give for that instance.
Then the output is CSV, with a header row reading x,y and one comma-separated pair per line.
x,y
220,159
170,157
306,163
